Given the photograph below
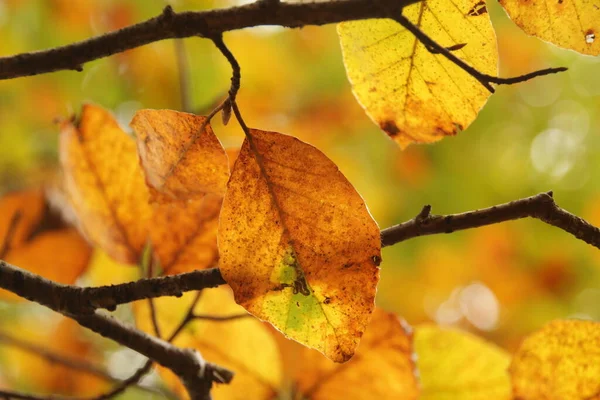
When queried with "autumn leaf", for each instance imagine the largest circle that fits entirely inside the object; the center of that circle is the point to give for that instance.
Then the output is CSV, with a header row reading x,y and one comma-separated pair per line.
x,y
20,213
572,24
298,245
39,241
243,345
180,154
560,361
413,95
105,185
456,365
184,234
382,368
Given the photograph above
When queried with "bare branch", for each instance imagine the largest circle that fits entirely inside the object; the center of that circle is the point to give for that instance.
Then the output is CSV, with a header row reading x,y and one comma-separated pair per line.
x,y
196,374
74,300
540,206
209,24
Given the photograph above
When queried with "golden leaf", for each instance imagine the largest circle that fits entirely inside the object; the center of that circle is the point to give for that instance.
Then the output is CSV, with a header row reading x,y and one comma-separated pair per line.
x,y
572,24
413,95
105,185
560,361
243,345
455,365
382,368
298,245
178,158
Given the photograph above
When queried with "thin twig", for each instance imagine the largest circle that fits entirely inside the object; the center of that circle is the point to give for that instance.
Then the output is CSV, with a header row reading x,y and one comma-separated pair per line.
x,y
188,317
540,206
219,318
55,358
485,79
133,380
184,76
169,25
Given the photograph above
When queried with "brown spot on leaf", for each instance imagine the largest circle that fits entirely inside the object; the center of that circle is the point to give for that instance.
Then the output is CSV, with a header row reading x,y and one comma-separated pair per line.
x,y
478,9
390,128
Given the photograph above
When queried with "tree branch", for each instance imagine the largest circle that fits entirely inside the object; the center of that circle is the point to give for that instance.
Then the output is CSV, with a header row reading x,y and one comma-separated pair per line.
x,y
170,24
540,206
187,364
74,300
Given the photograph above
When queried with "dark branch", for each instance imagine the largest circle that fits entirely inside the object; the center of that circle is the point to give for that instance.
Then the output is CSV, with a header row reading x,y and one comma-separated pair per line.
x,y
207,24
540,206
74,300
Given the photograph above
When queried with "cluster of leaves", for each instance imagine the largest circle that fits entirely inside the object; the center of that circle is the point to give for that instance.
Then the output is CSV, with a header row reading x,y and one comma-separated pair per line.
x,y
296,242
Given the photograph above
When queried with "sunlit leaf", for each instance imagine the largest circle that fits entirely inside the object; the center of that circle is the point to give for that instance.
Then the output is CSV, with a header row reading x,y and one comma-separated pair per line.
x,y
243,345
456,365
382,368
560,361
298,245
105,185
572,24
413,95
180,154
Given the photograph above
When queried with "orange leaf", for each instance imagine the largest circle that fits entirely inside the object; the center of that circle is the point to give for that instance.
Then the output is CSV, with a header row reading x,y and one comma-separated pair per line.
x,y
382,368
30,207
40,241
184,233
560,361
104,183
298,245
180,154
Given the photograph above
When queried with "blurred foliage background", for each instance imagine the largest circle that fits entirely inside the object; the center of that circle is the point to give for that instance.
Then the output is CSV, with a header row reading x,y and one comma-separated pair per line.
x,y
500,282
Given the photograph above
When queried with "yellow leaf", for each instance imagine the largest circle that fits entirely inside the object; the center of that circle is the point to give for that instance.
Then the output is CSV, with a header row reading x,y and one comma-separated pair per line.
x,y
178,158
105,185
413,95
243,345
298,245
184,232
382,368
456,365
572,24
560,361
